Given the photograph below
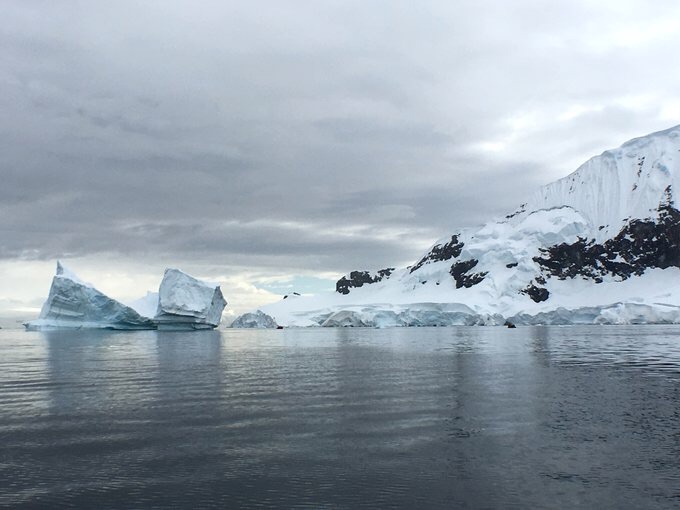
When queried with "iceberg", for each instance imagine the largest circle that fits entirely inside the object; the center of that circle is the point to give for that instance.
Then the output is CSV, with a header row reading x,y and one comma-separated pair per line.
x,y
74,304
185,303
256,319
182,303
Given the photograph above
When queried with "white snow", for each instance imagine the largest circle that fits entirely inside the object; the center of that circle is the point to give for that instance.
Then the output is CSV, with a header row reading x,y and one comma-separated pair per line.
x,y
628,182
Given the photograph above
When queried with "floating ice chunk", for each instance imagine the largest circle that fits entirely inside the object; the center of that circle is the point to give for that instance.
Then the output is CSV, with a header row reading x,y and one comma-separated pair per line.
x,y
256,319
74,304
187,303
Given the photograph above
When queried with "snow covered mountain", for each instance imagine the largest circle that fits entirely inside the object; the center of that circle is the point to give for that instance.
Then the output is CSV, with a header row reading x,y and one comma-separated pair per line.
x,y
601,245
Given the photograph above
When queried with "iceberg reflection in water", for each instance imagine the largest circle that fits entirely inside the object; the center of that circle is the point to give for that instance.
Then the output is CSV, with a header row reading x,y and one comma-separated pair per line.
x,y
540,417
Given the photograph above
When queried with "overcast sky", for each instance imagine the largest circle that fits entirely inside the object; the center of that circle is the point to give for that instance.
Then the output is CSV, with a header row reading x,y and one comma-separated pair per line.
x,y
274,145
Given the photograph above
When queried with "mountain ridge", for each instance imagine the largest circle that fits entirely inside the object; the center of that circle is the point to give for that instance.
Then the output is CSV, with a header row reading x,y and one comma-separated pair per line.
x,y
605,235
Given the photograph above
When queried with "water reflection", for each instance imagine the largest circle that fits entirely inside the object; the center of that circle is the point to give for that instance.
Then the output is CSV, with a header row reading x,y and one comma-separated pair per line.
x,y
92,371
539,417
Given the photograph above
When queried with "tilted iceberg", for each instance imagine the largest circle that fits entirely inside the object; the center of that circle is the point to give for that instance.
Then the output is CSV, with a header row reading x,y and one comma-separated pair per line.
x,y
182,303
187,303
73,304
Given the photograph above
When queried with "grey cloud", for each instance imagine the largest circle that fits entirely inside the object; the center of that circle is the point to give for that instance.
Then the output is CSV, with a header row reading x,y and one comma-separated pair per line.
x,y
367,131
199,134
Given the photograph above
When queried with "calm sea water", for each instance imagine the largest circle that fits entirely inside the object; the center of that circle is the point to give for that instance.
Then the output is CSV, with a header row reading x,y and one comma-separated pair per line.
x,y
477,417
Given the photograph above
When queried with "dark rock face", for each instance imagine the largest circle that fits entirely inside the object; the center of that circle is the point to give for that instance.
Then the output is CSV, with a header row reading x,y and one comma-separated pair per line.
x,y
641,244
521,209
460,271
511,265
441,252
360,278
537,294
293,294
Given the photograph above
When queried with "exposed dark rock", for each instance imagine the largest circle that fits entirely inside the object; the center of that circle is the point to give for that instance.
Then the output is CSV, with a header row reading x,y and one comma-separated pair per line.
x,y
512,264
537,294
360,278
521,209
293,294
440,252
460,270
509,325
640,163
641,244
385,273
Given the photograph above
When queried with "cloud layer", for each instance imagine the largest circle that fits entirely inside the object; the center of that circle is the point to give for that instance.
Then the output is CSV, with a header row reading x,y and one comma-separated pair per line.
x,y
280,138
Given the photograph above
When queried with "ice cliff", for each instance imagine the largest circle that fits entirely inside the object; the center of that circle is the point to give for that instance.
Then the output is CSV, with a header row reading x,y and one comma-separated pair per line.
x,y
600,246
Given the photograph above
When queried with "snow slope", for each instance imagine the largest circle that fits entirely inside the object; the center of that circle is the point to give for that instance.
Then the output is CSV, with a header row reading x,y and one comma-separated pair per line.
x,y
598,246
623,183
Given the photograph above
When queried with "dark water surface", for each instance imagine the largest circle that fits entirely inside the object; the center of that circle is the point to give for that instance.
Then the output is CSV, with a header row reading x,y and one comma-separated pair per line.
x,y
585,417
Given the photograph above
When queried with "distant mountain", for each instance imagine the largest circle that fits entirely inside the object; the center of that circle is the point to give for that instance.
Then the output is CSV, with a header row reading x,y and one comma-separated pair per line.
x,y
601,245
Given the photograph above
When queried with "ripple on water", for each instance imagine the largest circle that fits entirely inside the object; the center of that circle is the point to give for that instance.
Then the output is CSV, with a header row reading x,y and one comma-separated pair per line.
x,y
473,417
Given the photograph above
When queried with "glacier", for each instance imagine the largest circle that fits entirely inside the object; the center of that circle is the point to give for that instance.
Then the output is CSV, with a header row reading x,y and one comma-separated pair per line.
x,y
182,303
599,246
74,304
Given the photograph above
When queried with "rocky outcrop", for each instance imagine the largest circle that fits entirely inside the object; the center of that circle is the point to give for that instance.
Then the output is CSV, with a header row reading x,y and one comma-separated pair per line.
x,y
640,245
358,279
440,252
461,274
